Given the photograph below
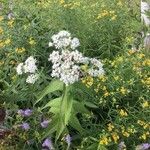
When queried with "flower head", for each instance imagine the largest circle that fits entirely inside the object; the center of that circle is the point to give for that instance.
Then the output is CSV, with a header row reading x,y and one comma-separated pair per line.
x,y
68,139
48,144
32,78
45,123
19,69
25,126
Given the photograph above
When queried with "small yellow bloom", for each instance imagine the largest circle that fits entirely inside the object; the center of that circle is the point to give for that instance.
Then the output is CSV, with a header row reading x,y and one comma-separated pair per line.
x,y
88,81
145,104
31,41
140,122
1,63
20,50
7,41
62,1
84,67
1,30
123,113
126,134
123,90
1,18
14,77
115,137
106,93
105,140
143,136
110,127
114,17
141,56
10,23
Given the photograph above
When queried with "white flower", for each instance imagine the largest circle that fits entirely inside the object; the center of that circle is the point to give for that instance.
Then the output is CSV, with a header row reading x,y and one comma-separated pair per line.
x,y
32,78
61,40
67,64
75,43
50,44
30,65
19,69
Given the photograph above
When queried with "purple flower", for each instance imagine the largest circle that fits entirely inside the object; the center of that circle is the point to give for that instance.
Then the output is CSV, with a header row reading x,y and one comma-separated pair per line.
x,y
68,139
20,112
25,126
47,144
45,123
145,146
27,112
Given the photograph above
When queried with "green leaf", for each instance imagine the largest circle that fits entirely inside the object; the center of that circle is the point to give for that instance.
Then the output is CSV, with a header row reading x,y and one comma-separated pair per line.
x,y
91,105
74,122
53,103
54,85
66,105
79,107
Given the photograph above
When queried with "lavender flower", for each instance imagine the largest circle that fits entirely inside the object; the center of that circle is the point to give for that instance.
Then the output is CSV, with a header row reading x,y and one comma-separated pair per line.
x,y
20,112
48,144
45,123
25,126
27,112
146,146
68,139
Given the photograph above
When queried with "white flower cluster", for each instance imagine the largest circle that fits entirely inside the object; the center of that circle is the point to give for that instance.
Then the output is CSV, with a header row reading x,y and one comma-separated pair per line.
x,y
67,66
63,40
29,66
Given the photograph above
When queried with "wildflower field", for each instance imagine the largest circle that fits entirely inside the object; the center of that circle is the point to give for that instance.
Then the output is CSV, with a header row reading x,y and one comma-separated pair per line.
x,y
74,75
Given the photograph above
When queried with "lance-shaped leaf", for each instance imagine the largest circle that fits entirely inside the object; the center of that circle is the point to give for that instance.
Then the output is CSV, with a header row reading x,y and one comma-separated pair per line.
x,y
54,85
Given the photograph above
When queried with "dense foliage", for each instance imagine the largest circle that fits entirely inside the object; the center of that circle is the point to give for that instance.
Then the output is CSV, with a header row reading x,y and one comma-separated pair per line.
x,y
104,109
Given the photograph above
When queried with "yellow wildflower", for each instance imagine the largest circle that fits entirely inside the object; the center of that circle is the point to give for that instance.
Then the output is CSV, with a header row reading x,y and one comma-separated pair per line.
x,y
119,3
146,62
115,137
141,55
10,23
123,90
126,134
31,41
7,41
143,136
140,122
106,93
1,30
145,104
123,113
84,67
2,44
110,127
14,77
20,50
114,17
62,1
1,63
88,81
1,18
105,140
102,78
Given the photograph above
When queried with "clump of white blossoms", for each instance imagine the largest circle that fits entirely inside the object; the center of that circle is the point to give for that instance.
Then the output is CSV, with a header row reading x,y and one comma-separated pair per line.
x,y
67,61
63,40
29,67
